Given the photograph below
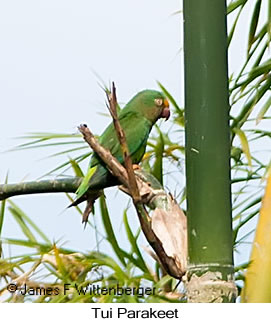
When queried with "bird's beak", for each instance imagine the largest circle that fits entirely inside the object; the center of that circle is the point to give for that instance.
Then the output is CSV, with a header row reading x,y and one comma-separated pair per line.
x,y
166,111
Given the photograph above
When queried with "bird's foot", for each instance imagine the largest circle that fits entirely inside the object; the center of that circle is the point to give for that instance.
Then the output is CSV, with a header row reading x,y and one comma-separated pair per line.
x,y
136,167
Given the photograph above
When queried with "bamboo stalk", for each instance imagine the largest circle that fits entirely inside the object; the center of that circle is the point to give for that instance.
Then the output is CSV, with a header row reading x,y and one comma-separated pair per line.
x,y
63,185
210,249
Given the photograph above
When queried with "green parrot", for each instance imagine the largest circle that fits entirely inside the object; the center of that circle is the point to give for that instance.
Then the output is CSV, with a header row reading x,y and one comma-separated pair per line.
x,y
136,119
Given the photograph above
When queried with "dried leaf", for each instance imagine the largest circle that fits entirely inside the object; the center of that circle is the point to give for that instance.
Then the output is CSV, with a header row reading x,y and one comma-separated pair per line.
x,y
171,229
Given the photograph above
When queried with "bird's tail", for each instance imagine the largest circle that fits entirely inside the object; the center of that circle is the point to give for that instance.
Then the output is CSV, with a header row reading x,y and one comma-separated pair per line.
x,y
87,212
90,198
78,201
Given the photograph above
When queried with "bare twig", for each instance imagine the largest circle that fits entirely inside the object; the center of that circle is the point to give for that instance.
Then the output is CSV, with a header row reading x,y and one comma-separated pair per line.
x,y
132,185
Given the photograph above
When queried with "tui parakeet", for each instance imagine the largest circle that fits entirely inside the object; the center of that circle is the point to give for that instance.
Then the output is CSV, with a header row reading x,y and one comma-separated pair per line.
x,y
136,119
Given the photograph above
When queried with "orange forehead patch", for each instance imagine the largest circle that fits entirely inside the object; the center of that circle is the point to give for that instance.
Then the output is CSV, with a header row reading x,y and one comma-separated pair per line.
x,y
166,103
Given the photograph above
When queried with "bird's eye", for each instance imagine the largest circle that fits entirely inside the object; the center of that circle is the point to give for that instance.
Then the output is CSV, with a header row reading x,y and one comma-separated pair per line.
x,y
158,102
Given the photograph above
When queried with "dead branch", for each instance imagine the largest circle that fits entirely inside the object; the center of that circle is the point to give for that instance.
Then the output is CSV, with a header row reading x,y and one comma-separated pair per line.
x,y
112,100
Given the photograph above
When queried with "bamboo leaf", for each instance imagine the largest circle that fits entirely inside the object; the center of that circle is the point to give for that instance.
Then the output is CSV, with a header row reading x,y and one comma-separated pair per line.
x,y
260,35
267,171
258,38
258,71
76,168
254,24
17,214
244,144
78,159
157,170
109,230
65,152
242,223
263,110
29,221
260,56
234,26
133,242
163,281
49,135
27,243
252,203
32,145
60,266
2,212
235,4
248,107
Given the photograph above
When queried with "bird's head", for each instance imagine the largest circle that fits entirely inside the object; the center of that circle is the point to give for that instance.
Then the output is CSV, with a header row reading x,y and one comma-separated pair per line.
x,y
151,104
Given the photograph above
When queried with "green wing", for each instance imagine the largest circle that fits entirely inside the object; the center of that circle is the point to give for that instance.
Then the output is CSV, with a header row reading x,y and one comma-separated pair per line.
x,y
136,128
85,183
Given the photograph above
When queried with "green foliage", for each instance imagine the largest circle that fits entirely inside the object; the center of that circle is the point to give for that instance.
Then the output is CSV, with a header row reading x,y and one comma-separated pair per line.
x,y
250,102
51,267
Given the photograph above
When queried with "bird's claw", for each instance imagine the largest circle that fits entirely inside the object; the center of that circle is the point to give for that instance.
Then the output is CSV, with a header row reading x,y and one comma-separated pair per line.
x,y
136,167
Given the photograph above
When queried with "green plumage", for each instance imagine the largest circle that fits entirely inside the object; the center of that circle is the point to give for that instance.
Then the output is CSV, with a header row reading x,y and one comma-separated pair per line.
x,y
136,119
